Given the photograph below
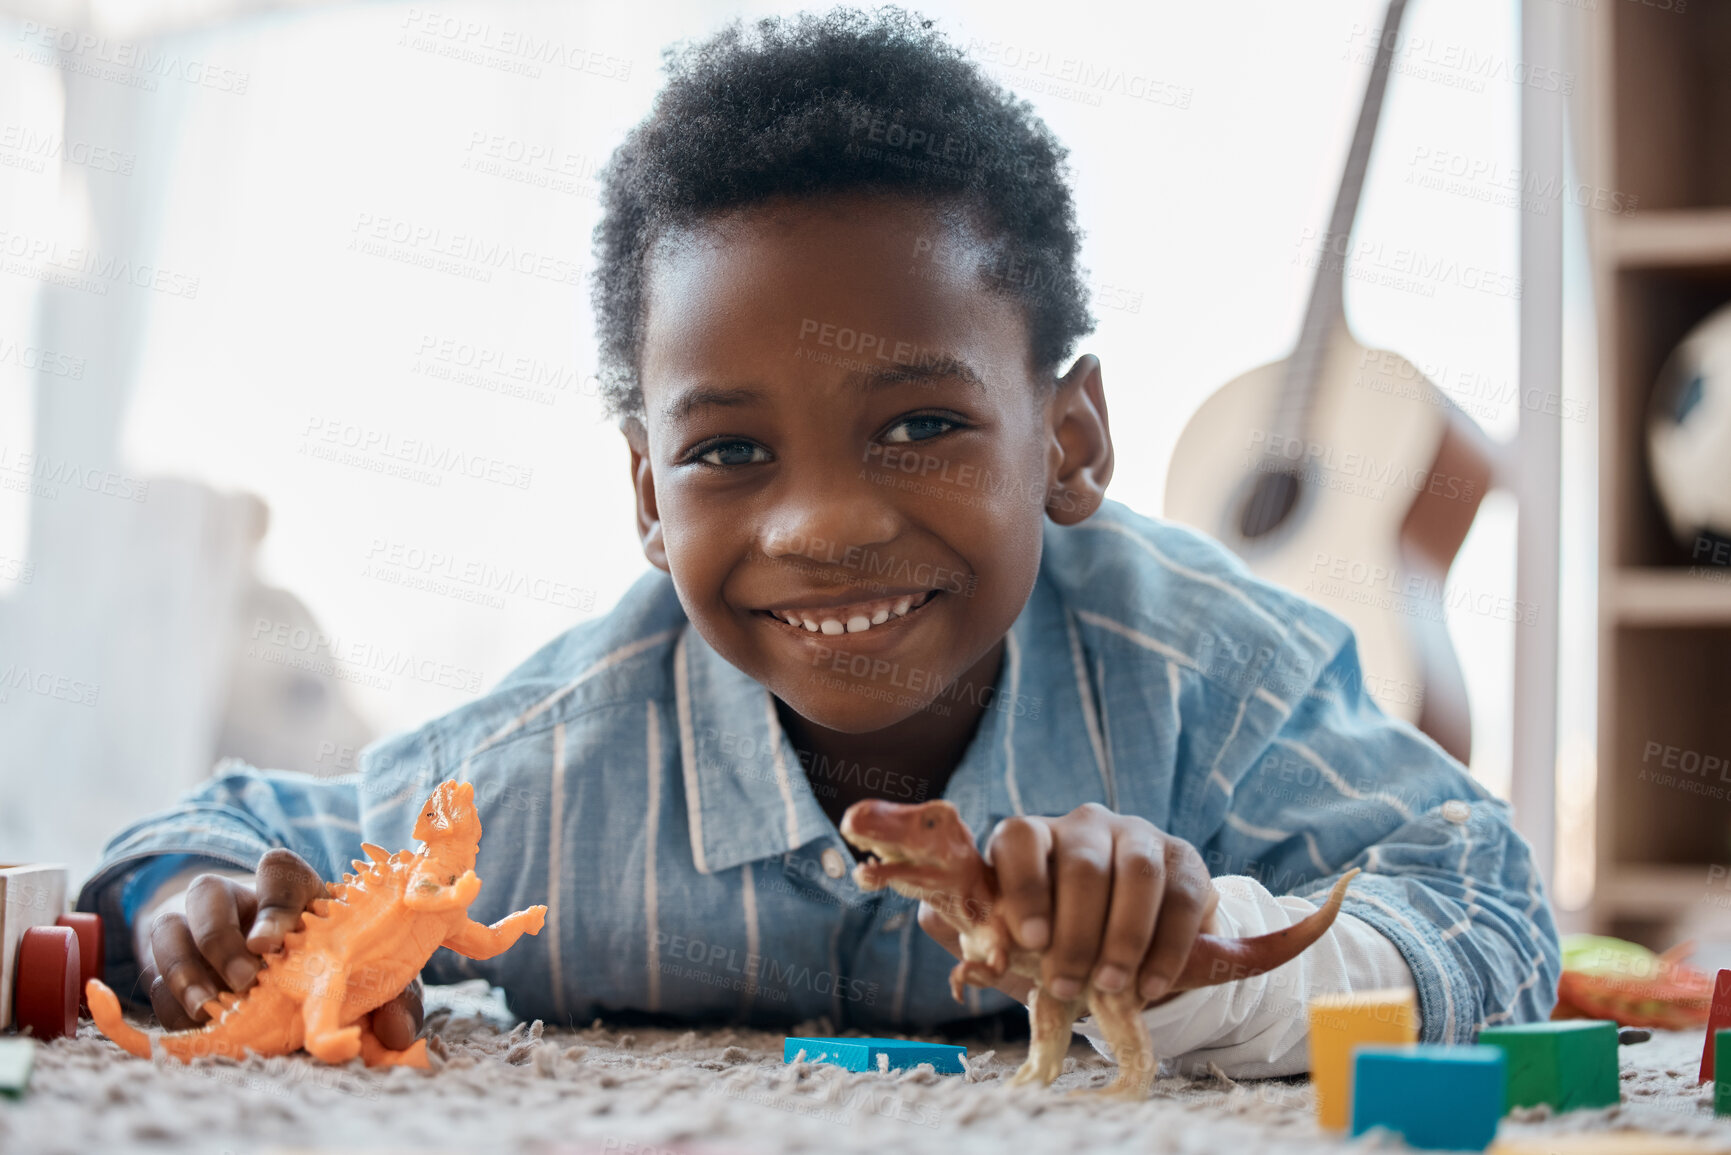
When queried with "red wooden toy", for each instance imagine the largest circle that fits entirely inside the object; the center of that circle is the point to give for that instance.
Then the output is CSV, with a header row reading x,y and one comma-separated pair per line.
x,y
1717,1019
46,953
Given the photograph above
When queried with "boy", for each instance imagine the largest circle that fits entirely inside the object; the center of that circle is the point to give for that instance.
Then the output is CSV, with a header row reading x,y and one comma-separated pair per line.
x,y
837,288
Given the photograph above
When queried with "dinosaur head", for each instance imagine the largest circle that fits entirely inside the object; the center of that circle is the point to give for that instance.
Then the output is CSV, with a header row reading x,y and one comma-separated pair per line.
x,y
449,815
896,836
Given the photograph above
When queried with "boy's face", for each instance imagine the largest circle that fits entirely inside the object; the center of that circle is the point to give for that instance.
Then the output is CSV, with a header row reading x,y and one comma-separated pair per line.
x,y
842,427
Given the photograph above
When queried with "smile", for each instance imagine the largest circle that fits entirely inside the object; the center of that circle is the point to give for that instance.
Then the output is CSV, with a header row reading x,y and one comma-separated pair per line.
x,y
854,618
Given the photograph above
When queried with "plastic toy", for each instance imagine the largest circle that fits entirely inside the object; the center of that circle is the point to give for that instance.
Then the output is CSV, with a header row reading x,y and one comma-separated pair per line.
x,y
1721,1042
1607,978
358,949
927,852
1448,1097
1718,1018
1567,1064
1607,1143
46,952
865,1054
16,1058
1338,1023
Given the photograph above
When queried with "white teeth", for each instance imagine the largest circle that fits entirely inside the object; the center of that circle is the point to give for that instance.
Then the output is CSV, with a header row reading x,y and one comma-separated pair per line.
x,y
857,623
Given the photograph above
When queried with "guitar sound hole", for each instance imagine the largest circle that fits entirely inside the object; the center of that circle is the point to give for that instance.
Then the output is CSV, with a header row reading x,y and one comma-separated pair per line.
x,y
1270,503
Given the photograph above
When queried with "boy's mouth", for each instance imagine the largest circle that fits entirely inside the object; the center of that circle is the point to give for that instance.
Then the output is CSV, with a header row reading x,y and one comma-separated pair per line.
x,y
853,618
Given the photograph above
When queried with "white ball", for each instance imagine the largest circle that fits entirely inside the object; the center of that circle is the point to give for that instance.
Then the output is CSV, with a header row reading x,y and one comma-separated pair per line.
x,y
1689,433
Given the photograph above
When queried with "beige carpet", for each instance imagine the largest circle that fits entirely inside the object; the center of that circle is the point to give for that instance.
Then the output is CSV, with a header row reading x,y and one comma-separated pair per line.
x,y
653,1091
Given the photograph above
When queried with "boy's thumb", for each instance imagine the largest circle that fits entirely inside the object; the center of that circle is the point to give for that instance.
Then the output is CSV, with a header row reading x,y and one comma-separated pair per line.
x,y
398,1022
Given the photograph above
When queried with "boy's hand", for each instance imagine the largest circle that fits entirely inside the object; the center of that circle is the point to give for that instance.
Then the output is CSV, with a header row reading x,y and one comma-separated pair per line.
x,y
215,945
1107,897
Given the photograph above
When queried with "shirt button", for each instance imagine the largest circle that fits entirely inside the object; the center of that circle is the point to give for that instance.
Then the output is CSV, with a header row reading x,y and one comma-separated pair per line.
x,y
895,921
832,863
1457,811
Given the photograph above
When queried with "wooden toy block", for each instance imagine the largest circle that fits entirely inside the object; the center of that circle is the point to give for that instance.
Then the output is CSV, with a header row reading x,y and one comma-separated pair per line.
x,y
1338,1023
1718,1018
1565,1063
1721,1041
16,1058
1608,1143
31,895
1439,1098
862,1054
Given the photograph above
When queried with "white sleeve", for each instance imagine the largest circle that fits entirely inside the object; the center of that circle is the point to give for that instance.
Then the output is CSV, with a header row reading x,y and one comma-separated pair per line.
x,y
171,896
1259,1027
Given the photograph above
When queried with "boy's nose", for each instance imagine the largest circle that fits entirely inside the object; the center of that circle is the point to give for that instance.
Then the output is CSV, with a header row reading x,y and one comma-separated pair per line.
x,y
824,521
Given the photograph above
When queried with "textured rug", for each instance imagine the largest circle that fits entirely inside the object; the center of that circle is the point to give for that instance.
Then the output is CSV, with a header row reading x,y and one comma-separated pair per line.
x,y
658,1092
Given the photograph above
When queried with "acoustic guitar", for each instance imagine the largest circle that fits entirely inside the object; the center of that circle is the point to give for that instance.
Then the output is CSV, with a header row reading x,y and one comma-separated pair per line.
x,y
1344,474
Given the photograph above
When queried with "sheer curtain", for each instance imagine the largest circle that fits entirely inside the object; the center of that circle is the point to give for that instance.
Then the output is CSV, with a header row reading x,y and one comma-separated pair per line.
x,y
323,271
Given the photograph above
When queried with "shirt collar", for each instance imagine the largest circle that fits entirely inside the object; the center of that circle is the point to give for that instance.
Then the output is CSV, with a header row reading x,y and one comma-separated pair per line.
x,y
1037,749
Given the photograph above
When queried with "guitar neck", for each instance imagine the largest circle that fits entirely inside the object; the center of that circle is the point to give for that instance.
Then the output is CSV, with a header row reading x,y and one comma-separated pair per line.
x,y
1327,304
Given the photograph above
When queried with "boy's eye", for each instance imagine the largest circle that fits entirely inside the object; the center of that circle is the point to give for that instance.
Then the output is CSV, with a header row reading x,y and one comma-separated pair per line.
x,y
732,453
920,428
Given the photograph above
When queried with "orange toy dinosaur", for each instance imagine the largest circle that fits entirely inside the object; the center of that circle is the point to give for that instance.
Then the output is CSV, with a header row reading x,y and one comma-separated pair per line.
x,y
358,949
927,852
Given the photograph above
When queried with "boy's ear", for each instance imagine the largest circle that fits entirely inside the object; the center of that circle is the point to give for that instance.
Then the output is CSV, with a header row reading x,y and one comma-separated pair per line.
x,y
643,484
1081,454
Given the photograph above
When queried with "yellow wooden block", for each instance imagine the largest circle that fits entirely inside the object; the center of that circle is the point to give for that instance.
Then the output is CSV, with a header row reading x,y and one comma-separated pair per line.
x,y
1610,1143
1338,1023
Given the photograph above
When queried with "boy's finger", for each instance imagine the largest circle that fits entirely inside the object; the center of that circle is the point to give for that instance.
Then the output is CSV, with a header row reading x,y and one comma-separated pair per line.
x,y
214,918
398,1022
1020,850
286,884
1016,986
939,929
181,965
1188,901
169,1012
1082,868
1138,878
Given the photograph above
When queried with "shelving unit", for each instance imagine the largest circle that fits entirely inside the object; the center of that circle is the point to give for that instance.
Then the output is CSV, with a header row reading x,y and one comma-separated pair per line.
x,y
1661,116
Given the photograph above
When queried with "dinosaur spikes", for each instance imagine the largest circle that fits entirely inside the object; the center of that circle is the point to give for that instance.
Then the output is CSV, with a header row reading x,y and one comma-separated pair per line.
x,y
405,856
360,865
319,907
350,878
337,891
376,853
227,999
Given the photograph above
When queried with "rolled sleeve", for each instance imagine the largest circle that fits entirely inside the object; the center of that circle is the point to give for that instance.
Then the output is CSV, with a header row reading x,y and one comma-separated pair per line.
x,y
1336,783
229,820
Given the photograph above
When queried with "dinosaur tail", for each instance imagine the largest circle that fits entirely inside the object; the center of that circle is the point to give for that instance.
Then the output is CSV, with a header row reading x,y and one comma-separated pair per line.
x,y
105,1009
1216,960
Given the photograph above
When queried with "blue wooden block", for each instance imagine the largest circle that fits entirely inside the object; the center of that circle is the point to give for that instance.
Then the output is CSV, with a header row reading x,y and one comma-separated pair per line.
x,y
1442,1098
862,1054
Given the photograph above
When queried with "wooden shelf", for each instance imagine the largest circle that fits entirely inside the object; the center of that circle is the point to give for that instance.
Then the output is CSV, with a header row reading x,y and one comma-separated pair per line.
x,y
1660,100
1670,239
1655,596
1656,891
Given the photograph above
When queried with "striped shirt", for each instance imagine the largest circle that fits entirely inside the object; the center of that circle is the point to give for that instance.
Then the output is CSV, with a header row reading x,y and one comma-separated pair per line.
x,y
640,786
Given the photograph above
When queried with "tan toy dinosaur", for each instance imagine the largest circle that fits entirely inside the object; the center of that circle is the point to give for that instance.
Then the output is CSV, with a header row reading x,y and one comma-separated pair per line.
x,y
927,852
358,949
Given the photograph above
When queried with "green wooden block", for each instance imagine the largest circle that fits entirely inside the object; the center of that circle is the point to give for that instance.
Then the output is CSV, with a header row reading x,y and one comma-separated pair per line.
x,y
16,1058
1722,1072
1566,1064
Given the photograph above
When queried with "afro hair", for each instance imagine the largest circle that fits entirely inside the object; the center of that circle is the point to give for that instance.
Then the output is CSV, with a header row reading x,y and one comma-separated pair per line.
x,y
818,105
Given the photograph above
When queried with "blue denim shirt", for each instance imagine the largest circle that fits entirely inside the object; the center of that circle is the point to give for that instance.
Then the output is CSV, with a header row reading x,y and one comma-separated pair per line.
x,y
641,787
